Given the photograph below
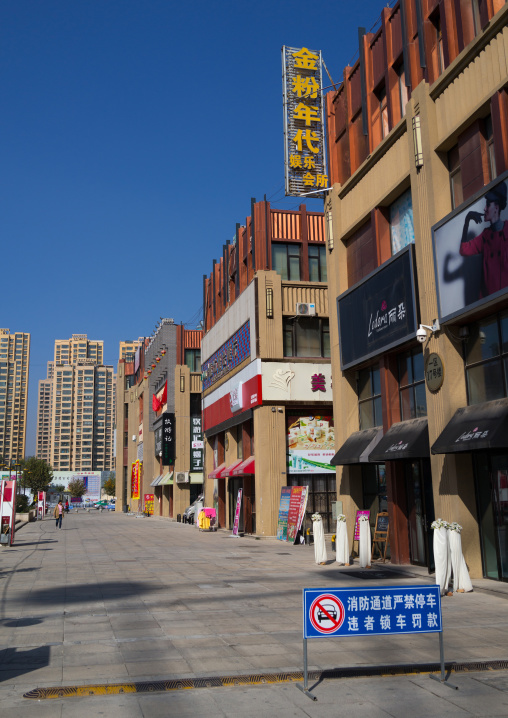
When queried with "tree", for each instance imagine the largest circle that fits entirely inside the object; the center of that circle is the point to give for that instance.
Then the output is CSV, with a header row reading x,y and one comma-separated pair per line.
x,y
59,488
36,475
110,486
76,488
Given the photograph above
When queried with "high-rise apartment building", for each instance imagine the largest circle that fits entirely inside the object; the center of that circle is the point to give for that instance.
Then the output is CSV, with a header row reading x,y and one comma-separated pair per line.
x,y
44,415
81,411
129,347
14,361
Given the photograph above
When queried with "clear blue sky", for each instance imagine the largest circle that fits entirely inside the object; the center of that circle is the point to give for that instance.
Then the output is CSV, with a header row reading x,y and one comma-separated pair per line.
x,y
133,134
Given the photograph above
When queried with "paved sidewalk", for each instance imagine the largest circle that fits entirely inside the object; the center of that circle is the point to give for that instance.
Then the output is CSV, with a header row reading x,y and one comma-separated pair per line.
x,y
111,598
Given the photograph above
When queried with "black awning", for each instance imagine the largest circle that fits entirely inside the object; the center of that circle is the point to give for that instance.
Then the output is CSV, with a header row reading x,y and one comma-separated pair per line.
x,y
356,449
405,440
473,428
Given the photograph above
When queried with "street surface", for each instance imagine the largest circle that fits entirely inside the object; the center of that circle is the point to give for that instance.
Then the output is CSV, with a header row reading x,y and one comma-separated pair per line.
x,y
113,599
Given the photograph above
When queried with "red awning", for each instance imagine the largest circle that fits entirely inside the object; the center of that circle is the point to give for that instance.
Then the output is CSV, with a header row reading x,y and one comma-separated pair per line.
x,y
217,473
246,468
230,469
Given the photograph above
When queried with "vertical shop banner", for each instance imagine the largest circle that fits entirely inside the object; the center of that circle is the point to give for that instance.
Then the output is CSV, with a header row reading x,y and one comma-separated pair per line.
x,y
168,439
311,444
304,136
237,513
282,523
357,523
135,480
297,506
7,511
149,504
196,459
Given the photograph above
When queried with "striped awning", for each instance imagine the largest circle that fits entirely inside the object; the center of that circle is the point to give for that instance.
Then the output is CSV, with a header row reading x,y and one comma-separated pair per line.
x,y
156,481
167,479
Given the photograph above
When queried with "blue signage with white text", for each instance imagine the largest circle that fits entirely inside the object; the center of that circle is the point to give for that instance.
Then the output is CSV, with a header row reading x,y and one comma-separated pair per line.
x,y
371,611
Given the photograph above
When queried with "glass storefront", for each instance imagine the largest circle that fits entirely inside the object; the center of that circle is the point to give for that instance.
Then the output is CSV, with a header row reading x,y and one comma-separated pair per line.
x,y
420,512
322,493
491,478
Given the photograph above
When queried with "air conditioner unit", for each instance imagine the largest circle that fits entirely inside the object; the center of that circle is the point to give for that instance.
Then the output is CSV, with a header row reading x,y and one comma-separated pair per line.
x,y
305,310
182,477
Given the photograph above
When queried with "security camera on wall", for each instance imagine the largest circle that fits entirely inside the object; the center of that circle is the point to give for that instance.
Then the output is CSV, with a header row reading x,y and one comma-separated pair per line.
x,y
421,334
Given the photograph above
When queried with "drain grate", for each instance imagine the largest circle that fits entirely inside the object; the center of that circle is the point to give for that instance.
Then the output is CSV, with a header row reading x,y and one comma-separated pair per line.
x,y
373,574
258,679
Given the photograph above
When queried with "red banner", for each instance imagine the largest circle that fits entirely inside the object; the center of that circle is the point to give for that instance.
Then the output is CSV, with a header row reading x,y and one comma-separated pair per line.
x,y
149,504
135,480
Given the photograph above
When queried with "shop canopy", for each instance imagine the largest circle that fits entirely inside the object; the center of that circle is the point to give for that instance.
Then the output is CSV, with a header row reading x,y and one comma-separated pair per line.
x,y
475,428
156,481
356,449
167,479
229,470
404,440
217,473
246,468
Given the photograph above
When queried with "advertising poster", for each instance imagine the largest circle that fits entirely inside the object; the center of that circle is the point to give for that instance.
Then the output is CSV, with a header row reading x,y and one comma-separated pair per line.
x,y
135,480
149,504
237,513
311,442
471,252
282,523
297,506
357,525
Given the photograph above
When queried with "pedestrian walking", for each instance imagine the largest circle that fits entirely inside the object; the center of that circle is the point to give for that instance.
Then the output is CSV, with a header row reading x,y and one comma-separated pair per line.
x,y
67,506
58,514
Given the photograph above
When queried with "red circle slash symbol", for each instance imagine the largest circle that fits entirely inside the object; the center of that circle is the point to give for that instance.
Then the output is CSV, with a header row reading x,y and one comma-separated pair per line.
x,y
327,613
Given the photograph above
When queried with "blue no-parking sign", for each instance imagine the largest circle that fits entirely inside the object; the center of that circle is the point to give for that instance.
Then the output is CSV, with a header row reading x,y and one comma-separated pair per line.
x,y
371,611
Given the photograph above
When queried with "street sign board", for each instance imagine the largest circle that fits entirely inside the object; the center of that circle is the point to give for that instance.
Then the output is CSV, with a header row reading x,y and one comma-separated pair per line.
x,y
377,611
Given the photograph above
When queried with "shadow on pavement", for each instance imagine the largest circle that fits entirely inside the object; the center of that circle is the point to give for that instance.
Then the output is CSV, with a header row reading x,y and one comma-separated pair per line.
x,y
15,662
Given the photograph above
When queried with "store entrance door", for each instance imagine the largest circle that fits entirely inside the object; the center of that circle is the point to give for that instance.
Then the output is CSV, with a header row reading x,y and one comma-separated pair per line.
x,y
420,512
491,472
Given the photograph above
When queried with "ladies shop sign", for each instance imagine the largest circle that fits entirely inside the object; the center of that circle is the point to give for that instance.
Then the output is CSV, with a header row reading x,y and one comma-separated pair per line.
x,y
378,313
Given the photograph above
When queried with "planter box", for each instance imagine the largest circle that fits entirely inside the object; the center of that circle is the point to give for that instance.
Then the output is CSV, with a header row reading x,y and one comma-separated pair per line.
x,y
29,516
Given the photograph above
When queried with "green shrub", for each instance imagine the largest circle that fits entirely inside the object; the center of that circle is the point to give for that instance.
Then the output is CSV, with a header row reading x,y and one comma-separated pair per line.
x,y
22,503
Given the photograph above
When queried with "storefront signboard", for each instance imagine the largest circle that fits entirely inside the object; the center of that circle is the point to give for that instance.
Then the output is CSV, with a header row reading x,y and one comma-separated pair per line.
x,y
380,312
471,252
196,459
227,357
304,142
237,513
297,506
168,438
311,444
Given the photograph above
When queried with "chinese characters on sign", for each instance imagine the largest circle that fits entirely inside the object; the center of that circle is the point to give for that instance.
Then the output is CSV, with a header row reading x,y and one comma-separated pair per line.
x,y
168,438
196,462
227,357
434,372
373,611
135,480
149,504
304,146
318,382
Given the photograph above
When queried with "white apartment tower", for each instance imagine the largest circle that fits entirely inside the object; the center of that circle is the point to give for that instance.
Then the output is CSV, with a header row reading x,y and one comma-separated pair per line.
x,y
14,362
82,410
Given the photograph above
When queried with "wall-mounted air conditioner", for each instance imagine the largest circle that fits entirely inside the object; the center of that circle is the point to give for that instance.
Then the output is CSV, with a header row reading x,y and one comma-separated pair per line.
x,y
305,310
182,477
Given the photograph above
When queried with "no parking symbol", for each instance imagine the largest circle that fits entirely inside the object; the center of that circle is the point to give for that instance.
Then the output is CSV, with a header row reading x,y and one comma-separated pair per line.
x,y
326,613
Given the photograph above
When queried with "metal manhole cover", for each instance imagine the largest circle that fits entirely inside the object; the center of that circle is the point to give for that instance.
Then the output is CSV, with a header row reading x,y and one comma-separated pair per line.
x,y
238,558
283,553
370,575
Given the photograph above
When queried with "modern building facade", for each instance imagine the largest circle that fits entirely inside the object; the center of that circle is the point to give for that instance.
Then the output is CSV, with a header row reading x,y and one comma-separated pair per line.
x,y
14,368
81,415
128,347
417,230
159,418
267,394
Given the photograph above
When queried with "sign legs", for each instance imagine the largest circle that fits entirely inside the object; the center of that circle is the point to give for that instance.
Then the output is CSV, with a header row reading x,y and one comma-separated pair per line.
x,y
305,687
442,677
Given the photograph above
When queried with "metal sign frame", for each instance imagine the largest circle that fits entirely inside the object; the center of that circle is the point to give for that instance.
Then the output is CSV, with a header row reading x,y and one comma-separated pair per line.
x,y
346,612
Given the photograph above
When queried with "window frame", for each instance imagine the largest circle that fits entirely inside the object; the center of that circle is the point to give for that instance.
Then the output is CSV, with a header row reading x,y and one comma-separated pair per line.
x,y
289,326
293,250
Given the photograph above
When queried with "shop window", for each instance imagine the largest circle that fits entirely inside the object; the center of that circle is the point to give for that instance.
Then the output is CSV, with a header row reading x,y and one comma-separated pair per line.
x,y
306,337
477,25
380,114
437,49
239,441
455,177
489,141
317,264
486,359
401,222
413,401
193,359
286,261
369,397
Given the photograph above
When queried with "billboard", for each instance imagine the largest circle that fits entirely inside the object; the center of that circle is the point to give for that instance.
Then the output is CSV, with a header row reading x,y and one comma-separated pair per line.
x,y
304,136
471,252
311,444
379,312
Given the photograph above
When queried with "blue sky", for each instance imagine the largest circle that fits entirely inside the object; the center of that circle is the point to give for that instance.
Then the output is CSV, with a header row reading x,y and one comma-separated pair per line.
x,y
133,135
